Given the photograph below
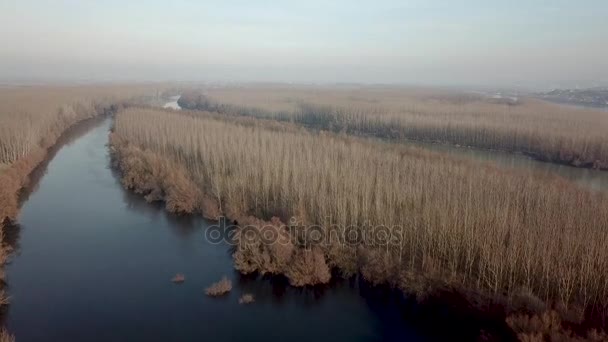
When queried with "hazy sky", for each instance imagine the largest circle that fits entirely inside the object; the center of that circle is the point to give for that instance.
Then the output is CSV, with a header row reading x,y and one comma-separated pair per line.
x,y
526,42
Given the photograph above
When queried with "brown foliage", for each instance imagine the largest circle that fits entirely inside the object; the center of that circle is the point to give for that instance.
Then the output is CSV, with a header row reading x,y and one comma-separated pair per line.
x,y
301,266
11,182
220,288
308,267
378,266
210,208
5,336
158,179
252,255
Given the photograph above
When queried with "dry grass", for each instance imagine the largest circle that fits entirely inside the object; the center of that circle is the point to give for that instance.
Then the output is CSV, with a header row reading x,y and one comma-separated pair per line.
x,y
460,223
220,288
546,131
247,298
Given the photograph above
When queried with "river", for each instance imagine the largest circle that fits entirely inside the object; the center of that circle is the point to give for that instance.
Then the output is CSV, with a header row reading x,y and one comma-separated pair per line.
x,y
93,262
173,103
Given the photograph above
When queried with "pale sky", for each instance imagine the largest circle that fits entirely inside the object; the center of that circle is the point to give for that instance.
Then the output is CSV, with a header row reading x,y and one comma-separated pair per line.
x,y
465,42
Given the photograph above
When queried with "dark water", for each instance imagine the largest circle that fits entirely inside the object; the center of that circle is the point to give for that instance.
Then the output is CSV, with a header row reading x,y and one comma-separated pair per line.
x,y
93,263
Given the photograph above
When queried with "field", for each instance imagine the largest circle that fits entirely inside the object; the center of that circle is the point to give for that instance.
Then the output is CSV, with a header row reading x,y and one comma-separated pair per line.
x,y
545,131
451,223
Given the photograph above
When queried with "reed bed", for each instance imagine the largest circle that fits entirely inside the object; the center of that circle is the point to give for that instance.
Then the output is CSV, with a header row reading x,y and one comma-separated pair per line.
x,y
32,117
220,288
534,241
546,131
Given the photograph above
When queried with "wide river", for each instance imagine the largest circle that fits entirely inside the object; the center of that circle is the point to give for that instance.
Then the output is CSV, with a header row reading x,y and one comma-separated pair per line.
x,y
93,262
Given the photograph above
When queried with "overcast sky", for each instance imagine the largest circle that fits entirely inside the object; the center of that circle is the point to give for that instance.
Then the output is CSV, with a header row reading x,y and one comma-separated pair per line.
x,y
516,42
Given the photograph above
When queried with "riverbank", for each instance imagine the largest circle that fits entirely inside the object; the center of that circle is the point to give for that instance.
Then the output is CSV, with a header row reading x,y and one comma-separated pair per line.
x,y
501,242
17,176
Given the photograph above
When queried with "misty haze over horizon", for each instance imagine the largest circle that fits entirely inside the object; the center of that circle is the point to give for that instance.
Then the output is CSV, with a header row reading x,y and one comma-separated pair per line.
x,y
528,44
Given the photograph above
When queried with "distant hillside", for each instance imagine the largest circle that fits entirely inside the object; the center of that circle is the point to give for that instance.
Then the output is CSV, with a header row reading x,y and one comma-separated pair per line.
x,y
593,97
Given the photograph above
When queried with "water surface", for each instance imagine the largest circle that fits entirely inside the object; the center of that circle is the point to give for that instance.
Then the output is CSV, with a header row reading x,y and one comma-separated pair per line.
x,y
173,103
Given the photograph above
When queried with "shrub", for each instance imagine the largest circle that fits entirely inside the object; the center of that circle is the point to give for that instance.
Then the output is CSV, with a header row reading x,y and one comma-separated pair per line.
x,y
220,288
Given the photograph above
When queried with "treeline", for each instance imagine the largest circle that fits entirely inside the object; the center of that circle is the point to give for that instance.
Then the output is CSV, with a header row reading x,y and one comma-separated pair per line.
x,y
541,130
531,242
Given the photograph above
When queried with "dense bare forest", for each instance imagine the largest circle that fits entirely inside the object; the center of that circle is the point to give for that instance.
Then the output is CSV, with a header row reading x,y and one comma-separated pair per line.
x,y
498,236
539,129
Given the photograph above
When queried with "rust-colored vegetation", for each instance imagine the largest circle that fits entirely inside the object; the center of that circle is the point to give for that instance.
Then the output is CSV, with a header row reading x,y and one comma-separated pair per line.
x,y
220,288
531,242
542,130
